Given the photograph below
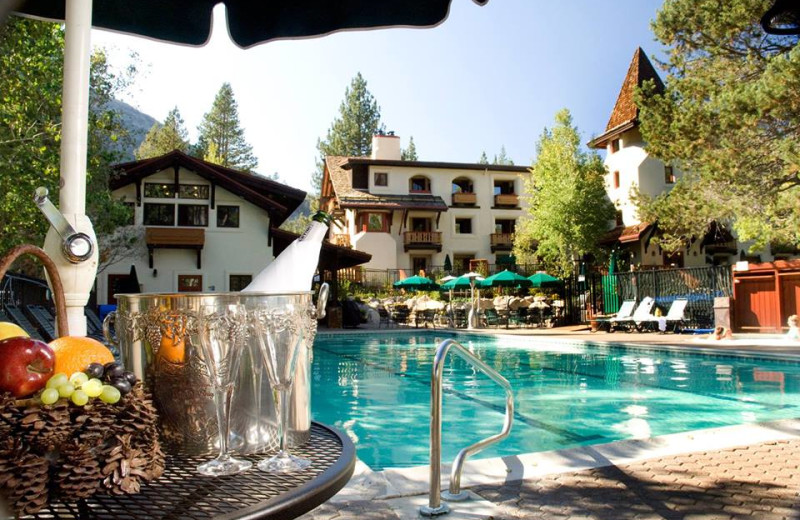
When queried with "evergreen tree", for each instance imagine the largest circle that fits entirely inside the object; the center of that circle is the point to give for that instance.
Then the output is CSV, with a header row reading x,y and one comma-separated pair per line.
x,y
483,159
350,133
568,207
222,137
730,119
502,158
162,139
410,153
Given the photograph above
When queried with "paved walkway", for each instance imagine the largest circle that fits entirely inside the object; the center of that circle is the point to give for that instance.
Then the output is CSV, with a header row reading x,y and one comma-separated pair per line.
x,y
760,480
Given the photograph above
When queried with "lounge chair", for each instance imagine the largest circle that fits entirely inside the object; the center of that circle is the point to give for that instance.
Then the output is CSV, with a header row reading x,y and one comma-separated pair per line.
x,y
425,317
43,320
675,316
641,314
385,318
625,311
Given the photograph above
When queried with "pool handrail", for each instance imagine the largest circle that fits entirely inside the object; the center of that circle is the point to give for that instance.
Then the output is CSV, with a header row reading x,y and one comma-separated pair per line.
x,y
454,493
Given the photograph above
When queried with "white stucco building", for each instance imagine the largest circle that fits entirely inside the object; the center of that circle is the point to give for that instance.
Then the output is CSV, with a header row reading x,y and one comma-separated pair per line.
x,y
207,227
410,215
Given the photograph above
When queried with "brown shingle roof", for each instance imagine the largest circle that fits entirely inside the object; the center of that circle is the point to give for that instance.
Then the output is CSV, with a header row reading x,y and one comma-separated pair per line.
x,y
624,235
639,71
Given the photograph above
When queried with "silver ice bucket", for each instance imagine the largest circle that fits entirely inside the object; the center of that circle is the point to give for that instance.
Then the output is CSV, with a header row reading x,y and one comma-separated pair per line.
x,y
157,336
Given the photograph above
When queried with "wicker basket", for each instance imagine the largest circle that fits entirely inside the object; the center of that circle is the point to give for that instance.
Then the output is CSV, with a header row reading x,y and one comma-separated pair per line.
x,y
67,452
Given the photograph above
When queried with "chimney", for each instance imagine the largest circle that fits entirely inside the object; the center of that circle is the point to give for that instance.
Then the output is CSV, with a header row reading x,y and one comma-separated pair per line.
x,y
386,146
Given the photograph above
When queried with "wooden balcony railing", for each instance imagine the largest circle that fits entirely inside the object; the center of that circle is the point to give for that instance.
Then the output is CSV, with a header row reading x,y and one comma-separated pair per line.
x,y
174,238
422,240
341,240
465,199
506,199
501,241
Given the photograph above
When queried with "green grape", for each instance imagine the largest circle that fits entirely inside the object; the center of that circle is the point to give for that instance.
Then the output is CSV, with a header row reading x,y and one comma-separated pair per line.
x,y
110,394
78,379
66,390
93,387
57,380
49,396
80,398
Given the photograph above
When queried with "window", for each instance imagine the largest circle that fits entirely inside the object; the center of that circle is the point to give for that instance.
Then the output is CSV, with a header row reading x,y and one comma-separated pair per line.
x,y
228,216
381,179
463,226
360,179
159,215
373,222
615,145
159,191
503,187
618,217
237,282
462,185
615,180
420,224
461,262
192,215
504,225
419,184
669,175
419,264
190,283
193,191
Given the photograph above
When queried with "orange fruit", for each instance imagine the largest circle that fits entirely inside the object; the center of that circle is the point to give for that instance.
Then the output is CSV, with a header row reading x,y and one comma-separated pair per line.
x,y
74,354
172,349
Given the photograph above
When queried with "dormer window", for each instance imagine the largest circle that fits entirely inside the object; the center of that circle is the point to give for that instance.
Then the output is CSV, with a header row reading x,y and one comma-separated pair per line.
x,y
419,184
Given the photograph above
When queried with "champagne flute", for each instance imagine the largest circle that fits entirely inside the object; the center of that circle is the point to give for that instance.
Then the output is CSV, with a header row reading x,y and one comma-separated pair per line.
x,y
279,331
222,331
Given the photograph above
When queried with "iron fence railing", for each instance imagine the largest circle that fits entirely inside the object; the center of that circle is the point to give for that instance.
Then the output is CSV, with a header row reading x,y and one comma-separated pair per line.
x,y
19,290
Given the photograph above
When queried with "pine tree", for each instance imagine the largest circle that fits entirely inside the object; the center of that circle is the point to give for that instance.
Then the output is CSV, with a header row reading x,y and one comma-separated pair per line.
x,y
502,158
568,207
223,138
351,133
483,159
410,153
162,139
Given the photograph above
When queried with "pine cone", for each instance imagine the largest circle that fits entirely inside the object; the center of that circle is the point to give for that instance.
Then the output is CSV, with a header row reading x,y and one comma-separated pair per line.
x,y
95,422
45,427
124,467
79,474
138,416
24,478
9,415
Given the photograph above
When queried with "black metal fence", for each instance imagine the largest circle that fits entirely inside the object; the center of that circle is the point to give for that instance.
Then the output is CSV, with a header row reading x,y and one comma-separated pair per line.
x,y
602,293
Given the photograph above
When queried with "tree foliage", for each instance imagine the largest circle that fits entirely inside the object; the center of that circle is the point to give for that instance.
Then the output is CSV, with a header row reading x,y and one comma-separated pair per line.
x,y
221,138
730,118
410,152
568,208
502,158
162,139
351,133
31,77
483,158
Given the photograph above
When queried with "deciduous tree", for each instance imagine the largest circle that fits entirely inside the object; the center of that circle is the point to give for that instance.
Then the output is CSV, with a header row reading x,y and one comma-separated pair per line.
x,y
161,139
221,136
568,207
350,133
730,118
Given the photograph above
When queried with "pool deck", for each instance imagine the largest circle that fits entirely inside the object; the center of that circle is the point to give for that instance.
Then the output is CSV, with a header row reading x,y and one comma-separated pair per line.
x,y
746,471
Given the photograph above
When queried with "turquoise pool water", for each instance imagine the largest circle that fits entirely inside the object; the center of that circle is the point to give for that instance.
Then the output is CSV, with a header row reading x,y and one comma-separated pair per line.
x,y
377,389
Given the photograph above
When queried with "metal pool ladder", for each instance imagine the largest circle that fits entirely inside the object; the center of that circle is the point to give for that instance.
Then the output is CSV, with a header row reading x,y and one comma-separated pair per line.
x,y
435,506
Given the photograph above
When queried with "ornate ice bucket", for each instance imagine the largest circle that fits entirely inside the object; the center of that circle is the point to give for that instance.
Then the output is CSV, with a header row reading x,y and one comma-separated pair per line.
x,y
157,336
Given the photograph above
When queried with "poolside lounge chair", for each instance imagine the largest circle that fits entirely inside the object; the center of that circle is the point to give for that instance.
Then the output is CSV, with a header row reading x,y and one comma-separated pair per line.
x,y
43,320
625,311
641,314
675,316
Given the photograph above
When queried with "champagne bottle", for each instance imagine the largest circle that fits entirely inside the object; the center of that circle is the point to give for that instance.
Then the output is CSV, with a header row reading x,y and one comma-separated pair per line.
x,y
293,270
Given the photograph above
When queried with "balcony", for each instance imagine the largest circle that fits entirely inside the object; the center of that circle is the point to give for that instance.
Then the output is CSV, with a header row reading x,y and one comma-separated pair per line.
x,y
174,238
506,200
422,240
501,241
341,240
464,199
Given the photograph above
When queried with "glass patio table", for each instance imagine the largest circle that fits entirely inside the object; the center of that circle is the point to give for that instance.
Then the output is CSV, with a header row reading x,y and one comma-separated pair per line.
x,y
182,493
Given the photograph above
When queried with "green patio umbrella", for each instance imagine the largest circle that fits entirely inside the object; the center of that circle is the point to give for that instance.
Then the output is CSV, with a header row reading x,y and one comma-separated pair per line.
x,y
542,279
417,283
460,283
506,278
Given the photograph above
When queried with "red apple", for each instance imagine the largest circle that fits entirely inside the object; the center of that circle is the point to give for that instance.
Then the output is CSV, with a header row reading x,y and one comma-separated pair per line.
x,y
25,365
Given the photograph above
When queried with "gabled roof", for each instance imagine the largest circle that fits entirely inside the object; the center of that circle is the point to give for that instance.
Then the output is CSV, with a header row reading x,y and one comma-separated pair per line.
x,y
273,197
626,114
625,234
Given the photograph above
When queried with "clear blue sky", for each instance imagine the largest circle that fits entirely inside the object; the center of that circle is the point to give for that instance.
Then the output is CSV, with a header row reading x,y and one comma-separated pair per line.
x,y
487,77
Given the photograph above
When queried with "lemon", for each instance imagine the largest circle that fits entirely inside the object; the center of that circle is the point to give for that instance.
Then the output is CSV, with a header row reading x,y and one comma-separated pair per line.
x,y
11,330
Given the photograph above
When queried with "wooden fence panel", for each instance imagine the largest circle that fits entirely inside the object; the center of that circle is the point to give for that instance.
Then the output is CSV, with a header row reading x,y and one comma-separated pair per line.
x,y
754,304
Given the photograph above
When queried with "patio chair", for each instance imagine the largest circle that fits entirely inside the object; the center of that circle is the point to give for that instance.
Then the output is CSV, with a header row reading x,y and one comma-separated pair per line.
x,y
675,316
640,315
425,317
518,317
43,320
491,317
625,311
399,314
385,318
460,318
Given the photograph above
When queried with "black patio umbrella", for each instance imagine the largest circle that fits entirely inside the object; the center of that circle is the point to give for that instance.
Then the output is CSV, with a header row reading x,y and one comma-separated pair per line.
x,y
250,22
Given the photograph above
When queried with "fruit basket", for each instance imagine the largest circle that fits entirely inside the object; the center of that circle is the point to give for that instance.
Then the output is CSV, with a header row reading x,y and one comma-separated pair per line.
x,y
68,436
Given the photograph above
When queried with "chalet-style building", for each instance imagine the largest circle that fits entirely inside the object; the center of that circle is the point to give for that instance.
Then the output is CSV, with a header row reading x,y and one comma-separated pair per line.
x,y
207,228
410,215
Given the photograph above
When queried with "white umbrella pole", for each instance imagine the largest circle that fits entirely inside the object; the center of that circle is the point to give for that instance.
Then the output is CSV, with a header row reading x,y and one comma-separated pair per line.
x,y
77,278
471,318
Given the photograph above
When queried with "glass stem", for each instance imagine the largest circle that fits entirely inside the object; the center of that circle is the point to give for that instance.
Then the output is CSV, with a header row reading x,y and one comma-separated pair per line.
x,y
224,396
283,406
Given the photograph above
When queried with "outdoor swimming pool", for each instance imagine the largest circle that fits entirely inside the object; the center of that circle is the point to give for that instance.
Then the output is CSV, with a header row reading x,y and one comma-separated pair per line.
x,y
376,388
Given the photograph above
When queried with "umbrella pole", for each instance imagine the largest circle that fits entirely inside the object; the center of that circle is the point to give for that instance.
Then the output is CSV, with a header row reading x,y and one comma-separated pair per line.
x,y
78,278
471,317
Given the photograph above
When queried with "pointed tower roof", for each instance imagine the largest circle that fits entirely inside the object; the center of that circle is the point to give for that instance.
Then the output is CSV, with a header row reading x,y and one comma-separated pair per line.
x,y
626,113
